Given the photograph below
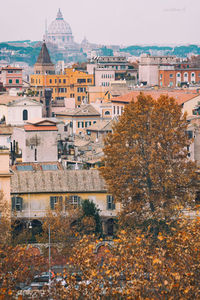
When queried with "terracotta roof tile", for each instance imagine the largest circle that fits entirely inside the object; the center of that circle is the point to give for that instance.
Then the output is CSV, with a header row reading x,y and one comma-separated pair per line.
x,y
40,128
57,181
180,96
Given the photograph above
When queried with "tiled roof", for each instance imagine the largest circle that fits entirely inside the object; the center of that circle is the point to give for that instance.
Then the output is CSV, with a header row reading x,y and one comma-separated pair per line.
x,y
40,128
11,68
6,130
84,110
42,120
7,99
101,126
37,166
180,96
68,181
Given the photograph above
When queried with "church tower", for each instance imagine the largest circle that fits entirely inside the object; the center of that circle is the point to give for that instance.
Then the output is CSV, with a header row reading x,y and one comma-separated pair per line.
x,y
44,64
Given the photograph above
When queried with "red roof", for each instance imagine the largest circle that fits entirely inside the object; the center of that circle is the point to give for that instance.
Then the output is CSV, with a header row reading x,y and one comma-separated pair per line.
x,y
11,68
180,96
40,128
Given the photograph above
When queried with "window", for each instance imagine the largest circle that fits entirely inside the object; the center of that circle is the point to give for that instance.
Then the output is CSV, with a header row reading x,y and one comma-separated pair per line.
x,y
59,80
25,115
10,80
17,203
197,199
114,110
86,123
50,80
82,124
55,80
17,80
64,80
118,110
79,124
35,154
110,202
89,80
79,98
75,201
81,80
171,75
107,113
55,200
190,134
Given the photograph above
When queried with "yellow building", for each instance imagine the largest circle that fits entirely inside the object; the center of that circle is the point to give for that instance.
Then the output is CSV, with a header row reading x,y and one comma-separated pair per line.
x,y
71,84
5,174
34,193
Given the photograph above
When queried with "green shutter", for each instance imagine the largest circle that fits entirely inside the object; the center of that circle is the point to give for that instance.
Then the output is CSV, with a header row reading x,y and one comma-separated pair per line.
x,y
52,202
13,203
21,203
107,201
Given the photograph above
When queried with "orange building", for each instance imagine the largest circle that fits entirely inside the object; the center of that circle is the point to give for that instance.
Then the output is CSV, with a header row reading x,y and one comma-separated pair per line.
x,y
70,84
178,75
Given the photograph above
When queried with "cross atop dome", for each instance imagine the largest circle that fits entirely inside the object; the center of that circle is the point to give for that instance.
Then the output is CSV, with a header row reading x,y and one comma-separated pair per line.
x,y
59,15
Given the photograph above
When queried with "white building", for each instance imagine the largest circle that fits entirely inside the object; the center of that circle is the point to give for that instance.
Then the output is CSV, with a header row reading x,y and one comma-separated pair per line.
x,y
149,68
22,110
37,141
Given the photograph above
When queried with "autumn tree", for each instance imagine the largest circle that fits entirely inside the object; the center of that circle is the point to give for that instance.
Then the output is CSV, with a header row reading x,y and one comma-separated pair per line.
x,y
139,267
146,166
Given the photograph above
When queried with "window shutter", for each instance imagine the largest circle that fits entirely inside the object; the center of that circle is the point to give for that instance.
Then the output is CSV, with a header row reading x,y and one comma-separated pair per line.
x,y
13,203
113,205
52,202
61,201
21,203
107,201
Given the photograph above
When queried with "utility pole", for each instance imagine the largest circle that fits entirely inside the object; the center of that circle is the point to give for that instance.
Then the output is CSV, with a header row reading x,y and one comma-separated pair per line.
x,y
49,258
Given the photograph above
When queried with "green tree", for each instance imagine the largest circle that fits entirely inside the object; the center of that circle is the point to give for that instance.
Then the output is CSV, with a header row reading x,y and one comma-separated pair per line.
x,y
146,166
90,219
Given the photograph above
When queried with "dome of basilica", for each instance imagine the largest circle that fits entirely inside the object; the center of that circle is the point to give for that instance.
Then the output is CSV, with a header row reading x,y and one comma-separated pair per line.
x,y
59,26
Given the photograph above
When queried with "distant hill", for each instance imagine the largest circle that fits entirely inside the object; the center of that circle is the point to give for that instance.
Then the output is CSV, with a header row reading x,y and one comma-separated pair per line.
x,y
180,51
27,51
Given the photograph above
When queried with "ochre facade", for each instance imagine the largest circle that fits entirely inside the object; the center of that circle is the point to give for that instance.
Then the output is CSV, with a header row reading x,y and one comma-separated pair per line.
x,y
71,84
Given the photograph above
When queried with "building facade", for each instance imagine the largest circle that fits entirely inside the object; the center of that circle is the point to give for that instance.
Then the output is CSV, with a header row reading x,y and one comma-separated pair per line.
x,y
149,68
37,141
11,77
34,193
79,119
22,110
72,84
178,75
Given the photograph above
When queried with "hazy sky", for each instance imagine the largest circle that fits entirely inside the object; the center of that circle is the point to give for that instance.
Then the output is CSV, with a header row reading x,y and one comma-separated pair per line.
x,y
122,22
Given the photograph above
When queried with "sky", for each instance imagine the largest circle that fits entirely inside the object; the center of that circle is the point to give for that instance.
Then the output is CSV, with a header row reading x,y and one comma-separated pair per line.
x,y
116,22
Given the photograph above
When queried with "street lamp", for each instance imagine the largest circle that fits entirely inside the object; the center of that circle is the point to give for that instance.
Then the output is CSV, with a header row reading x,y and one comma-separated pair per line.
x,y
49,257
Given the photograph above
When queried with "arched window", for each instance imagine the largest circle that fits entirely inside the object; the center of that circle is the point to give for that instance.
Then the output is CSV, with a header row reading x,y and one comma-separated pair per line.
x,y
25,115
193,79
185,77
107,113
